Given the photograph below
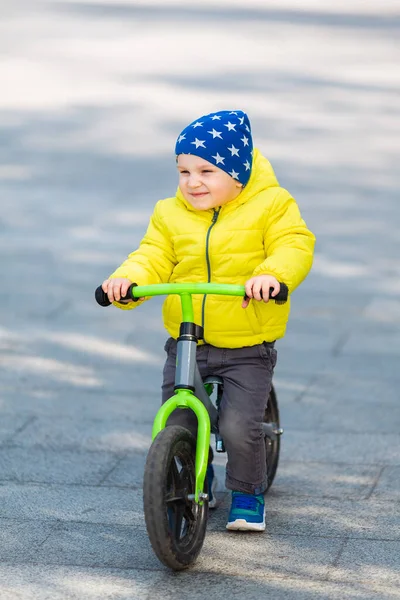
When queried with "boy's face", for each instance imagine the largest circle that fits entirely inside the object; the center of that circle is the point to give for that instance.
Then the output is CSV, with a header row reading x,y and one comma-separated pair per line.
x,y
203,184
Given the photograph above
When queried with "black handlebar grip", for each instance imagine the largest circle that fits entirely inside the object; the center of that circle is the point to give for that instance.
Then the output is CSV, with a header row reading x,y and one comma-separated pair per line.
x,y
102,298
280,298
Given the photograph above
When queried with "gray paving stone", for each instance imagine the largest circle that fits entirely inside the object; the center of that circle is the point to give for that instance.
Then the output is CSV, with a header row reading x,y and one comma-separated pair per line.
x,y
388,486
372,561
285,514
245,554
70,583
21,540
11,424
380,367
291,384
383,312
123,547
307,362
38,370
129,471
354,448
49,370
90,504
60,402
284,588
77,355
312,342
308,516
85,434
379,344
47,466
75,583
313,411
322,479
99,546
367,389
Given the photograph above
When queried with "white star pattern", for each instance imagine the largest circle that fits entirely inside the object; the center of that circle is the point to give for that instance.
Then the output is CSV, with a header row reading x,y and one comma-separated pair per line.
x,y
219,159
234,151
215,134
198,143
237,160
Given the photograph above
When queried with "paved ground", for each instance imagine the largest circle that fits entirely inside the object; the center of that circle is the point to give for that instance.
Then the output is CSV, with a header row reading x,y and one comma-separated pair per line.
x,y
93,95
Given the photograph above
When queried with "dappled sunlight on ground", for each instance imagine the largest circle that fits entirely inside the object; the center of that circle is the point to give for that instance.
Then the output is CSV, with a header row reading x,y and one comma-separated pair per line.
x,y
92,585
324,480
102,347
338,270
301,557
292,386
383,310
369,572
55,369
125,441
328,120
41,362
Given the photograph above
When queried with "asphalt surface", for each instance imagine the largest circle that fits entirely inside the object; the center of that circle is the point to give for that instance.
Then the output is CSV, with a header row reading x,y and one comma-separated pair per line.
x,y
93,96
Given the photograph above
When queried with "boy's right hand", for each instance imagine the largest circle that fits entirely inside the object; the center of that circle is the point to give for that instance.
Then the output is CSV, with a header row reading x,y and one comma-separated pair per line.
x,y
115,288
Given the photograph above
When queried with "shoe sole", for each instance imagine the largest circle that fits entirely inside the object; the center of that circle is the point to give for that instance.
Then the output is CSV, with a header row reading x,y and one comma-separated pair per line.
x,y
243,525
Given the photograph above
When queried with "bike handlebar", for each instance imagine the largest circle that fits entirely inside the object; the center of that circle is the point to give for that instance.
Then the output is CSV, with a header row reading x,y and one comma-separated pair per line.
x,y
161,289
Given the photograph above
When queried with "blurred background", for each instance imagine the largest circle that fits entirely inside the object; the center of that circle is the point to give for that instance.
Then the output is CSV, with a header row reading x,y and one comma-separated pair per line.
x,y
93,96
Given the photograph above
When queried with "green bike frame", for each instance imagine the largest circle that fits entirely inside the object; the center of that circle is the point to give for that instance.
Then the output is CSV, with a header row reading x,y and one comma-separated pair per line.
x,y
189,388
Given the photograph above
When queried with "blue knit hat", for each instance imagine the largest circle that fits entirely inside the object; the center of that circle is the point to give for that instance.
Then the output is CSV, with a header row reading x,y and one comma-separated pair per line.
x,y
223,139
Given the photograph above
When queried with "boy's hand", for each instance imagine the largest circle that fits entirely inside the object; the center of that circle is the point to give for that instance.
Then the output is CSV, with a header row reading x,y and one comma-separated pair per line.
x,y
260,283
115,288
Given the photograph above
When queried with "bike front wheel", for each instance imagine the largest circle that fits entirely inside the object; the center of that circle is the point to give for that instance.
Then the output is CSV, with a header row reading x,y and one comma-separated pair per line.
x,y
176,525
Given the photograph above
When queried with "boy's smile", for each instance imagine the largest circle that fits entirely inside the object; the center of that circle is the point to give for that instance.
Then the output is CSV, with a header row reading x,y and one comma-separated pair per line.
x,y
203,184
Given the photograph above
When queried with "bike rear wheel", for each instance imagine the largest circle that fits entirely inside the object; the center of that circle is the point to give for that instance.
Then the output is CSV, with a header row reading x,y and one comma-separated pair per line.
x,y
176,525
272,447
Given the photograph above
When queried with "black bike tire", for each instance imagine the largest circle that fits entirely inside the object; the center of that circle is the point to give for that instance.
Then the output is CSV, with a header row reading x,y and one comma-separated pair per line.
x,y
272,446
156,471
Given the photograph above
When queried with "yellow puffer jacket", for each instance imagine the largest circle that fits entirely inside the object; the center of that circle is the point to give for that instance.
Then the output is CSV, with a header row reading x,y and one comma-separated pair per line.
x,y
260,232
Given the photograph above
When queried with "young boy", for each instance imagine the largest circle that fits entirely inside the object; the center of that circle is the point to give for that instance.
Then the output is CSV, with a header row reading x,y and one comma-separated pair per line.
x,y
229,222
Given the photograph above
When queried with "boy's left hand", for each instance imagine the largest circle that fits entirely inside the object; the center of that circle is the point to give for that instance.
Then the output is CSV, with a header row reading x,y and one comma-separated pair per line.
x,y
255,285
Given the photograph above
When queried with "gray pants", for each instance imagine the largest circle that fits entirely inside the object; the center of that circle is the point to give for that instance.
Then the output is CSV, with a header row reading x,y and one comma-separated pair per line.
x,y
247,375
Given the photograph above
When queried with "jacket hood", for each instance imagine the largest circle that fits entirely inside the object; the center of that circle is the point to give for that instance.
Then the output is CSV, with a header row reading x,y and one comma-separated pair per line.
x,y
262,177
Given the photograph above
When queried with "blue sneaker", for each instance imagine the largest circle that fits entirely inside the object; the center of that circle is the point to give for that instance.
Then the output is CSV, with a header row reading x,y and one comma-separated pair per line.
x,y
247,512
212,486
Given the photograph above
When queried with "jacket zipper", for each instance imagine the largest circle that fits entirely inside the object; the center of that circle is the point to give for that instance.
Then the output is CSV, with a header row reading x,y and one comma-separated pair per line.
x,y
213,221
